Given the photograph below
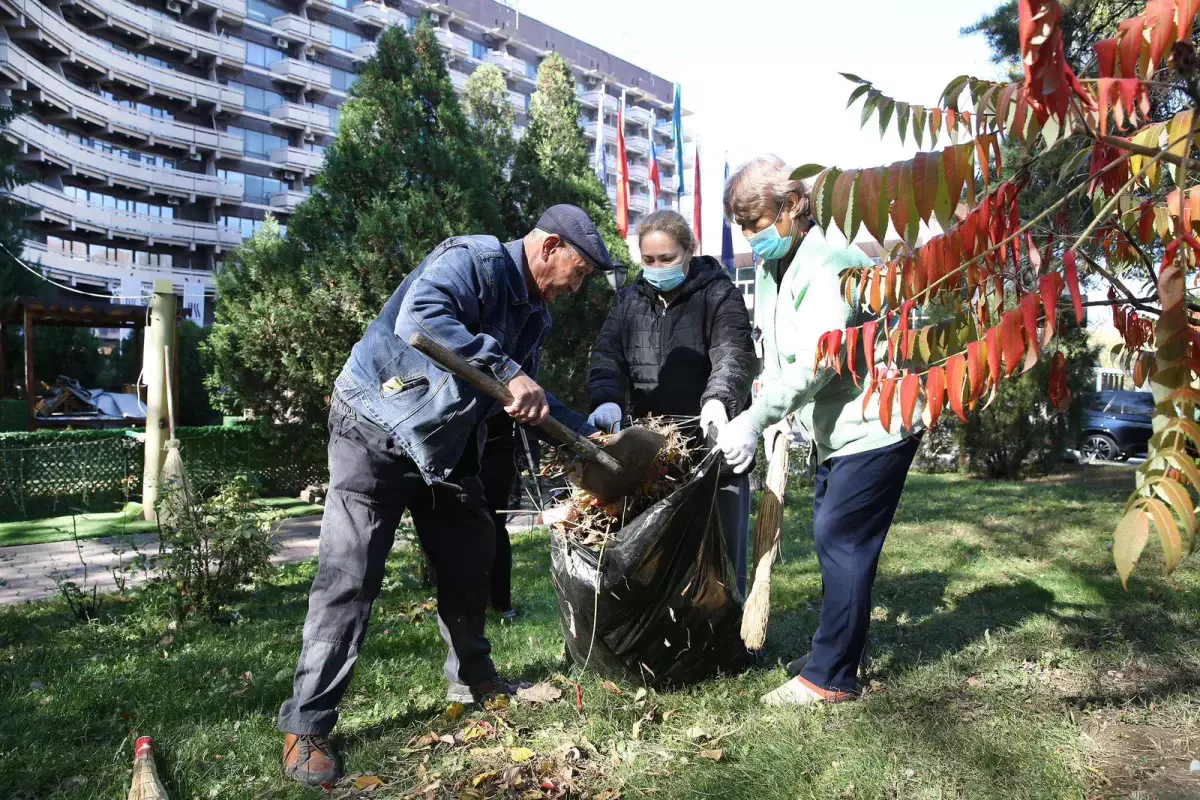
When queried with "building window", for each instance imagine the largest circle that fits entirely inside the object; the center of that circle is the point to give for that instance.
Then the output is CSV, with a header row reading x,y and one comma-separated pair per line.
x,y
413,22
478,51
259,56
261,100
531,71
346,40
342,79
259,11
259,144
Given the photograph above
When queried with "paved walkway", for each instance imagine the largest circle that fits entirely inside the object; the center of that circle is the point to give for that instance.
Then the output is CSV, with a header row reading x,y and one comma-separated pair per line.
x,y
28,572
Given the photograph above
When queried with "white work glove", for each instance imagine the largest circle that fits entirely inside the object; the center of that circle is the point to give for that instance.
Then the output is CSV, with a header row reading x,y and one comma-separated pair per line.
x,y
738,440
607,417
713,413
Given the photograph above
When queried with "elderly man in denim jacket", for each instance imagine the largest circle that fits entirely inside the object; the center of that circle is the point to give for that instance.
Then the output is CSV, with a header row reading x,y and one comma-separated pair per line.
x,y
406,435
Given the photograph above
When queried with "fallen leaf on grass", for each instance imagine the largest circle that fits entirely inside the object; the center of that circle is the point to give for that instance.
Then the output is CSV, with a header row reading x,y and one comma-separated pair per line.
x,y
712,755
498,703
520,755
455,711
368,782
540,693
483,777
609,686
698,734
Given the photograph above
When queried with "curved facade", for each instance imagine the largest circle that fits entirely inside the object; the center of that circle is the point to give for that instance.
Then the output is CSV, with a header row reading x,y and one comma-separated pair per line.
x,y
160,133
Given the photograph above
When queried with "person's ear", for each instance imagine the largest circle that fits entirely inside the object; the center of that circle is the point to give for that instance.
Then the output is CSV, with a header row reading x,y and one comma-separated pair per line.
x,y
549,245
792,204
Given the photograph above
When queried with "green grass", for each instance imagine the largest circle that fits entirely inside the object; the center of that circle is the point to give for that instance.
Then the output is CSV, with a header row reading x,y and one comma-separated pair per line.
x,y
1001,638
115,523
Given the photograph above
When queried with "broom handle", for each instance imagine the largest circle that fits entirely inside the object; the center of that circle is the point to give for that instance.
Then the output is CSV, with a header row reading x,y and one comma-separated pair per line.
x,y
170,397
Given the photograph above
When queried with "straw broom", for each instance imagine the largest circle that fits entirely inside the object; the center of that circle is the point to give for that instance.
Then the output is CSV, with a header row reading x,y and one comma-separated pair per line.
x,y
173,478
766,541
145,784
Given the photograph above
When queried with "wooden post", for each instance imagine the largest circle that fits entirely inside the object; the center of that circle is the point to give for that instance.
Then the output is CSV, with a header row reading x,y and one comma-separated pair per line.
x,y
162,334
29,386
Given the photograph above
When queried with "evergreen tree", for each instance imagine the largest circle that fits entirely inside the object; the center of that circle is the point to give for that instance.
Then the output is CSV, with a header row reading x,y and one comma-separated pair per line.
x,y
552,166
485,101
405,173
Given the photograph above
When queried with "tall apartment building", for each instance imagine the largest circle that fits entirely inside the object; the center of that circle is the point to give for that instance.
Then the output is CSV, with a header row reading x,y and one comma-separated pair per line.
x,y
161,132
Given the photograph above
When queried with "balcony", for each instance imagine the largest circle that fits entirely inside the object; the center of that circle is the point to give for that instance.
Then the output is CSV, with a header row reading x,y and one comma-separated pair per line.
x,y
638,115
636,144
506,62
113,66
294,115
41,143
458,79
365,52
639,202
518,101
307,74
232,12
306,31
162,30
639,173
81,109
288,201
64,266
374,14
592,99
454,44
57,209
295,159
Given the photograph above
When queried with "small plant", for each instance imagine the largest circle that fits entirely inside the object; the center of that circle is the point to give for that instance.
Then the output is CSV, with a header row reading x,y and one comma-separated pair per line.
x,y
212,548
84,606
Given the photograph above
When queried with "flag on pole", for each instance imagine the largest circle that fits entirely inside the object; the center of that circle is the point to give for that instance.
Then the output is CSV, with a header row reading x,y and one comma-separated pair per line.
x,y
601,162
727,233
622,173
677,135
653,172
696,201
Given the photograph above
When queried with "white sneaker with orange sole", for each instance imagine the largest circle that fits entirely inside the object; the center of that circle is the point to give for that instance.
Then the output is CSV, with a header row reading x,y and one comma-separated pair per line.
x,y
801,692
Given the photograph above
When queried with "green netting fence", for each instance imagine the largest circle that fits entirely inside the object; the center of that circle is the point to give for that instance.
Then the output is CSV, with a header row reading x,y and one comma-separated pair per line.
x,y
50,473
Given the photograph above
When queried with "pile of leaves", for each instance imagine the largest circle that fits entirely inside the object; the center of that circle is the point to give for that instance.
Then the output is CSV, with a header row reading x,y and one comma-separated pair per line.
x,y
590,522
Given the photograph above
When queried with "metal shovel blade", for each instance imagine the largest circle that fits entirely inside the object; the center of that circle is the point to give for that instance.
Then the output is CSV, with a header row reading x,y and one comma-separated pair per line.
x,y
635,450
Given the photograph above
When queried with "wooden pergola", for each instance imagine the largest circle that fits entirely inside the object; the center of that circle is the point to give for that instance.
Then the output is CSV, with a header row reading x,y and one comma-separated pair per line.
x,y
28,312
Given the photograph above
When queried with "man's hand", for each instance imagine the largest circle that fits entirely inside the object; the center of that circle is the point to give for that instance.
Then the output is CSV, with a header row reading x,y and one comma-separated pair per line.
x,y
529,405
738,440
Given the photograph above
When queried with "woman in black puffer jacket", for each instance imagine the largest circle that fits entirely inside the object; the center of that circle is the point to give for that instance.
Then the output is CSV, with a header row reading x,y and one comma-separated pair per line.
x,y
677,343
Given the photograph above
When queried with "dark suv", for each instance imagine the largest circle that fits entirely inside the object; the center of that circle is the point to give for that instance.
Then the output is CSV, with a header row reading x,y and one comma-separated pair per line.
x,y
1116,425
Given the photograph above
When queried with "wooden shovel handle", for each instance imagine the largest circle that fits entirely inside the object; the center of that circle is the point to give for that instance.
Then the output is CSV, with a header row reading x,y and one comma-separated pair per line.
x,y
458,366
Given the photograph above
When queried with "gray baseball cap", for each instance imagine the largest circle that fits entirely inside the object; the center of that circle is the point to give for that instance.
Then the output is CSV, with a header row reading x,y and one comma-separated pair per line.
x,y
576,227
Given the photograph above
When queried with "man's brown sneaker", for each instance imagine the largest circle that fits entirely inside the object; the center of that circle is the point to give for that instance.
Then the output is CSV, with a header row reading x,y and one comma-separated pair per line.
x,y
309,759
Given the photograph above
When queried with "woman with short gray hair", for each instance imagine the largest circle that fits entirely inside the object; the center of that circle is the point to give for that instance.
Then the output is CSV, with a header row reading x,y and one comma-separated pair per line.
x,y
862,466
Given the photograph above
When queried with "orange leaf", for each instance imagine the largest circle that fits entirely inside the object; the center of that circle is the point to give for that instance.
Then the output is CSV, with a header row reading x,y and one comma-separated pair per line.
x,y
1130,45
1106,57
876,299
852,353
905,340
1029,318
935,394
868,340
910,390
1161,15
1187,16
993,359
1051,286
833,352
887,397
956,375
1104,90
976,366
1071,275
872,387
1011,340
935,124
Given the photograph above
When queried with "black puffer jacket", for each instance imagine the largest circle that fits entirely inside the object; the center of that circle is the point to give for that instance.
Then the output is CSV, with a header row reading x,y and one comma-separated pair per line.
x,y
656,359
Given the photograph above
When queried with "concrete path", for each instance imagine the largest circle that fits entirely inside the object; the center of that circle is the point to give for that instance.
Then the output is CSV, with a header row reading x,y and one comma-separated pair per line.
x,y
28,572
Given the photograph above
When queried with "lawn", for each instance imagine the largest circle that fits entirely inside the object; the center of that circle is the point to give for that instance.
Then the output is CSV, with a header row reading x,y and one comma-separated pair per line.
x,y
1006,662
115,523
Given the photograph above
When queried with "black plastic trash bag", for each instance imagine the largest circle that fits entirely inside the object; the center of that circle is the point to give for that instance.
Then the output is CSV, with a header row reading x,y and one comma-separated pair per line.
x,y
668,610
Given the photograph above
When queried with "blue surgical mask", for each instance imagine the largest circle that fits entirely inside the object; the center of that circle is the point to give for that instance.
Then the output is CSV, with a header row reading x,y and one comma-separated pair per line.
x,y
664,279
768,244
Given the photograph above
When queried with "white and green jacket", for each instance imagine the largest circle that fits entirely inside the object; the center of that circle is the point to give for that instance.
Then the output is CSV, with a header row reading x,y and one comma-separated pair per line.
x,y
792,315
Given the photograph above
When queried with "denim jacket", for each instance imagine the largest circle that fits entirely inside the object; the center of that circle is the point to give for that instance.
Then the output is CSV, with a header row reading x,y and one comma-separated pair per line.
x,y
470,295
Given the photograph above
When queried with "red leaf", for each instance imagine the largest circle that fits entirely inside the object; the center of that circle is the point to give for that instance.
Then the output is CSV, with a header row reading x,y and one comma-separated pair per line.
x,y
935,394
969,231
1161,15
910,390
1060,391
1029,318
1051,286
1071,275
1130,46
1145,226
852,353
905,313
887,397
1104,91
993,357
834,351
1011,340
872,387
956,374
1106,56
868,338
1187,16
822,344
976,363
1129,89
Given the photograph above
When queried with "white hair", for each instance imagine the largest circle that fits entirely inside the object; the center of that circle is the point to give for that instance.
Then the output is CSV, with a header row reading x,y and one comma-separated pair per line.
x,y
760,188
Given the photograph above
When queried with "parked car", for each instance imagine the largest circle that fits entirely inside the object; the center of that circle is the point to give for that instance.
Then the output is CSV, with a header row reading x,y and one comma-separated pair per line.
x,y
1116,425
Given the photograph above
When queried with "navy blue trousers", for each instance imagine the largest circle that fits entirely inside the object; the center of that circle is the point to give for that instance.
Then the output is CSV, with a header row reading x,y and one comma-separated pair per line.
x,y
854,502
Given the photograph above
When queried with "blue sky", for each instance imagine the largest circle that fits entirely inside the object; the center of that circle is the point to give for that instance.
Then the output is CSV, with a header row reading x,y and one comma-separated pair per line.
x,y
763,77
